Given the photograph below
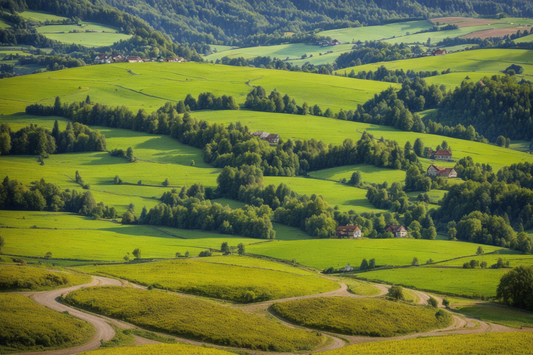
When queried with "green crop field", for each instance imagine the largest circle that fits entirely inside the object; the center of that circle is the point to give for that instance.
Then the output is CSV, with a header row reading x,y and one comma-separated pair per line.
x,y
159,349
446,280
490,312
487,343
358,287
28,326
15,278
88,39
515,259
255,263
90,26
150,85
376,33
41,16
78,237
229,282
369,173
325,253
193,318
367,317
528,38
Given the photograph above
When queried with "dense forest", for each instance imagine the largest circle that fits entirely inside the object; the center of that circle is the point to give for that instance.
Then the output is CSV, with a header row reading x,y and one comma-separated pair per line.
x,y
260,22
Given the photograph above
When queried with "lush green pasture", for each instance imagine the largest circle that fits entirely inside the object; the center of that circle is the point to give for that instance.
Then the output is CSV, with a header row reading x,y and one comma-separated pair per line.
x,y
4,24
528,38
369,173
14,278
193,318
83,239
159,349
360,287
229,282
88,39
367,317
41,16
486,343
376,33
334,131
482,61
515,259
91,26
255,263
446,280
150,85
325,253
490,312
434,195
28,326
284,232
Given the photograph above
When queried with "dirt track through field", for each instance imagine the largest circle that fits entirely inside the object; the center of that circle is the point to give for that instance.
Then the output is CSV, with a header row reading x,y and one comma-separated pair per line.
x,y
461,325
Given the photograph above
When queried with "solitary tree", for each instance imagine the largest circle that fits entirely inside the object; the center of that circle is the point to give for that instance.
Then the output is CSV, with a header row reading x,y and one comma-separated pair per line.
x,y
242,249
364,265
2,243
415,262
480,251
356,179
371,264
48,255
137,253
433,302
225,248
166,182
126,258
187,254
446,303
396,293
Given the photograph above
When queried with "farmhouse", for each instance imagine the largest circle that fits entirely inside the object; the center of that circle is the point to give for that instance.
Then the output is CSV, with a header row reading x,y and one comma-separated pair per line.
x,y
134,59
398,231
335,42
347,268
434,171
102,59
348,232
441,52
272,138
444,155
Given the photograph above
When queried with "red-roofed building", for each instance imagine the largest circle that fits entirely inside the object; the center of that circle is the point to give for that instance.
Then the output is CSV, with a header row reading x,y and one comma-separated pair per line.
x,y
441,52
273,138
134,59
443,155
348,232
434,171
335,42
398,231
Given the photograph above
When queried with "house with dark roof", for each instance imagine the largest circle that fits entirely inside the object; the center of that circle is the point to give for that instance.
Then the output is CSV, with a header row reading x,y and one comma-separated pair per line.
x,y
273,138
439,171
398,231
348,232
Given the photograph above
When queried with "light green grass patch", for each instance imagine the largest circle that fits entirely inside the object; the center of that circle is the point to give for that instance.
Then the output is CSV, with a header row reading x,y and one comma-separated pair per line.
x,y
489,312
375,33
255,263
4,24
88,39
369,173
41,16
434,195
284,232
24,278
160,349
90,26
515,258
334,193
223,281
359,287
325,253
455,281
528,38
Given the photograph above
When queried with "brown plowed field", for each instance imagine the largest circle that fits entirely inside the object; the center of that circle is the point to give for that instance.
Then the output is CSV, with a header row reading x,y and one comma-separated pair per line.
x,y
462,21
497,32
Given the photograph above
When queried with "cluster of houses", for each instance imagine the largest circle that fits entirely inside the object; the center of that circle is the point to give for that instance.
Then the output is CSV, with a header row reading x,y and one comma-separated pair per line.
x,y
352,232
271,138
117,58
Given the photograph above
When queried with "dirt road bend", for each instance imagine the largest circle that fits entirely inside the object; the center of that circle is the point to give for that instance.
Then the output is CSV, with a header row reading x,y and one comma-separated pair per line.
x,y
103,330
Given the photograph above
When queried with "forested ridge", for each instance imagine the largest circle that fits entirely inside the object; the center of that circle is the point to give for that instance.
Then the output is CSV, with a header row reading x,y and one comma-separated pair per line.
x,y
254,22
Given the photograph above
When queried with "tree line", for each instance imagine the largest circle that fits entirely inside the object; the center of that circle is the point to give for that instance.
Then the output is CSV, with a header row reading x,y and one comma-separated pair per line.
x,y
37,140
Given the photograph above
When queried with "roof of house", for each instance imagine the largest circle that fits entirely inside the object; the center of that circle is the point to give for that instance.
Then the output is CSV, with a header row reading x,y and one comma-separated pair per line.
x,y
393,228
350,228
441,51
439,168
443,152
481,83
133,58
272,136
445,171
101,56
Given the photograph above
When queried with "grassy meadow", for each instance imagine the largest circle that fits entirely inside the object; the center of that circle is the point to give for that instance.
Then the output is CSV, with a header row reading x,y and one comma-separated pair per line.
x,y
246,261
91,40
193,318
366,317
16,278
486,343
325,253
499,314
159,349
359,287
369,173
456,281
28,326
41,16
376,33
242,284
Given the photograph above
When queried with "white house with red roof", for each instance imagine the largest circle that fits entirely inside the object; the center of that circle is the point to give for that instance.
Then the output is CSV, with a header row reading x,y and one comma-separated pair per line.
x,y
348,232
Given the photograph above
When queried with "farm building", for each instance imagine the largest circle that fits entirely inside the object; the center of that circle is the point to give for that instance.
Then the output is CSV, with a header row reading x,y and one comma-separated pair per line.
x,y
435,171
272,138
398,231
102,59
444,155
441,52
134,59
347,268
348,232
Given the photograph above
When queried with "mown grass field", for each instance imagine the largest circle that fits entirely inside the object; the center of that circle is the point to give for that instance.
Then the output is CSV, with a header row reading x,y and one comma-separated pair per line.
x,y
476,64
486,343
150,85
159,349
41,16
193,318
499,314
515,259
255,263
90,26
367,317
376,33
17,278
325,253
444,280
28,326
78,237
242,284
359,287
369,173
91,40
